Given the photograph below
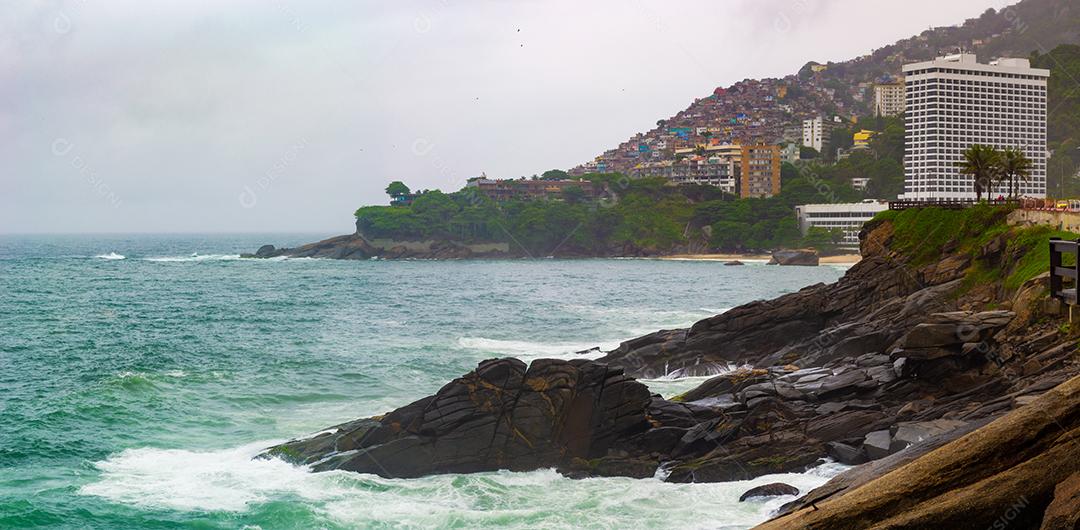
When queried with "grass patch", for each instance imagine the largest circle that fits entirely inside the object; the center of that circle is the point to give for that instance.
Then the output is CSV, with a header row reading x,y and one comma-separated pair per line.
x,y
921,233
1031,249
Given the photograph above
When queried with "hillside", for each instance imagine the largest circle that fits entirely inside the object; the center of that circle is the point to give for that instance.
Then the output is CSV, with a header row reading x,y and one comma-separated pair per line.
x,y
760,109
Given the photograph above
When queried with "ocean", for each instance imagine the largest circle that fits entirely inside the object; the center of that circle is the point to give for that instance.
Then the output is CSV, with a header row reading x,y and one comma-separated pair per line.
x,y
140,373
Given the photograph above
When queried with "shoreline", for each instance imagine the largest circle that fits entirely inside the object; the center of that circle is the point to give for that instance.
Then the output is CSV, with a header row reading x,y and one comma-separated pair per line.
x,y
840,259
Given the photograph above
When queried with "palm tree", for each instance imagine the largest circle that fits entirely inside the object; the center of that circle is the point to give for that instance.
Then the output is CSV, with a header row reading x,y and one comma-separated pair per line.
x,y
980,161
1013,166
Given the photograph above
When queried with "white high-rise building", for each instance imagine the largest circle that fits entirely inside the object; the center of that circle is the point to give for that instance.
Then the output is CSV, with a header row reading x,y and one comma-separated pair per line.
x,y
954,102
889,99
815,133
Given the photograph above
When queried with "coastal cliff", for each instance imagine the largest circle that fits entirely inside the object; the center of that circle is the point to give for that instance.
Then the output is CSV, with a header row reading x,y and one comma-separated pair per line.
x,y
941,338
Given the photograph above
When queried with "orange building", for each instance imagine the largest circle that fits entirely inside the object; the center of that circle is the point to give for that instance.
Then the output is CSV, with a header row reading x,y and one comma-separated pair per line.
x,y
760,175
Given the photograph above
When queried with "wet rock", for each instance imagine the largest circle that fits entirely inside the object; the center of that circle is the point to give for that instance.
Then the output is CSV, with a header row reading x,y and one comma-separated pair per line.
x,y
910,433
1014,465
877,444
844,453
955,328
733,263
795,257
775,489
503,415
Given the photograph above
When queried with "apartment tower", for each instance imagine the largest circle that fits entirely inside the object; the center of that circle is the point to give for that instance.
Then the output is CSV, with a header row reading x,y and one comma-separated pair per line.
x,y
953,102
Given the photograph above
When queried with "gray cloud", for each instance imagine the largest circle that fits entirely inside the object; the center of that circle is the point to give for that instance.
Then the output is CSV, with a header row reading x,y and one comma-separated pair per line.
x,y
287,115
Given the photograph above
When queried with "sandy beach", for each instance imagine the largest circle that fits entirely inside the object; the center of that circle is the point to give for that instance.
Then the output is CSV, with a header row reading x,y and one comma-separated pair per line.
x,y
841,259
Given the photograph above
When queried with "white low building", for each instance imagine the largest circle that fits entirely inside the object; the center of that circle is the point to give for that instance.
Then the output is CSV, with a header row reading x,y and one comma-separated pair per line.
x,y
848,217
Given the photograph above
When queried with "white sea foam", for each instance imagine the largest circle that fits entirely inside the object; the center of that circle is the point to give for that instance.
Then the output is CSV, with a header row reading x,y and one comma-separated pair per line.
x,y
230,480
195,257
227,480
110,256
674,383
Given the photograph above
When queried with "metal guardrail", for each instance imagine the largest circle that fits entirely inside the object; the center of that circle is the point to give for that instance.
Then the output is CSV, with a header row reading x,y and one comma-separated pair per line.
x,y
1060,273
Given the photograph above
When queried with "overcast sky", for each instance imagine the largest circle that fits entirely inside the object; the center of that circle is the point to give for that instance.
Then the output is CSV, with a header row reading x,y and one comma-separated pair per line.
x,y
213,116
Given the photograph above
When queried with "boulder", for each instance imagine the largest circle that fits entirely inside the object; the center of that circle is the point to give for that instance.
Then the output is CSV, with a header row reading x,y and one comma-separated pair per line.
x,y
910,433
1002,474
877,444
775,489
844,453
955,328
503,415
733,263
795,257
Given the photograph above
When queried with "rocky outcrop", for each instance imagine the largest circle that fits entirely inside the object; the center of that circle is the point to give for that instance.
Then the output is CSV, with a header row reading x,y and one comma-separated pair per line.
x,y
350,246
795,257
356,246
866,310
574,415
775,489
1010,471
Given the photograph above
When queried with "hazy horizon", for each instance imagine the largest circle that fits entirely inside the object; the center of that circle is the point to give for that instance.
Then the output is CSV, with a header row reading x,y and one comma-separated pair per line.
x,y
130,118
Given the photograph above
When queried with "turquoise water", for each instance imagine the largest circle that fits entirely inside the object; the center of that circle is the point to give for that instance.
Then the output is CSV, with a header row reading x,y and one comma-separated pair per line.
x,y
139,374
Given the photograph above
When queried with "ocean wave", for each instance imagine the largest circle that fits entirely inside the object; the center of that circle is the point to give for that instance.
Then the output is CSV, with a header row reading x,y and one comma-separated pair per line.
x,y
518,348
110,256
231,480
195,257
675,382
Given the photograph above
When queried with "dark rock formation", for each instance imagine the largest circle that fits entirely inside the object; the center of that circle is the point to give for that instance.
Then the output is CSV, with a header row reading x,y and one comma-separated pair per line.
x,y
795,257
351,246
1010,471
355,246
769,490
1063,513
503,416
733,263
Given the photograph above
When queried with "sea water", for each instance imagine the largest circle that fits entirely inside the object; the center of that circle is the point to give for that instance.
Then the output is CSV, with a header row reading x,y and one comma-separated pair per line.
x,y
140,373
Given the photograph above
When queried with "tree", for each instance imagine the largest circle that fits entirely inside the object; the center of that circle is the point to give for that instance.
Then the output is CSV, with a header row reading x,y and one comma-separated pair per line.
x,y
824,239
397,188
573,194
1013,165
806,152
554,174
981,162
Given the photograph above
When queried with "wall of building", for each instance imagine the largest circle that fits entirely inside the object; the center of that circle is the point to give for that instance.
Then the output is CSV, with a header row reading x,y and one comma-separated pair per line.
x,y
1068,221
849,217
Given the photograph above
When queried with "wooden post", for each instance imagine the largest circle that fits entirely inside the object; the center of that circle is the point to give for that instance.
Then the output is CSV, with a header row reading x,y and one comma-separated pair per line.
x,y
1055,262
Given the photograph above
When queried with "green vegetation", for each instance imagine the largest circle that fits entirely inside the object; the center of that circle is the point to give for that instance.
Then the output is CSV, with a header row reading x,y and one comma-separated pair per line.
x,y
633,215
924,235
981,162
988,165
1031,247
1063,118
397,188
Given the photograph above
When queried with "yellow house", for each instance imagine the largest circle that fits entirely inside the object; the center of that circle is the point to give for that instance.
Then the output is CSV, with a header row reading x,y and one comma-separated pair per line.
x,y
861,139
